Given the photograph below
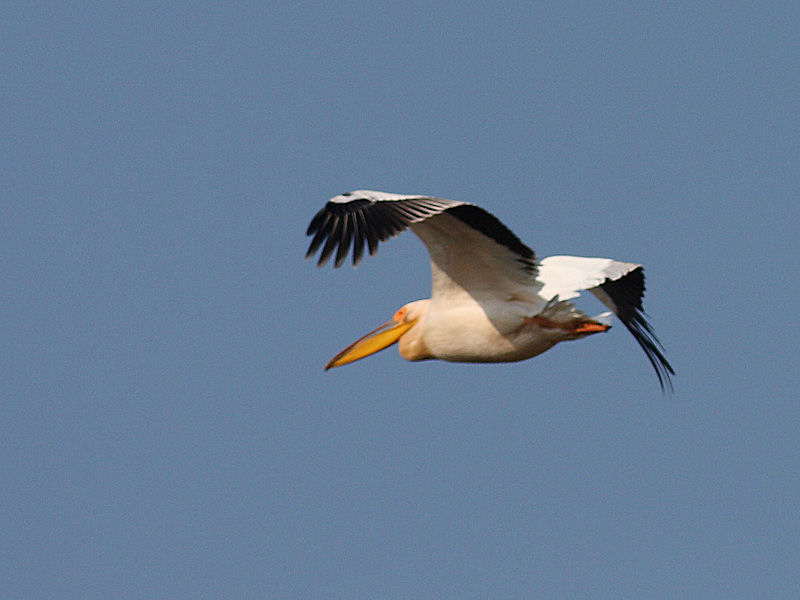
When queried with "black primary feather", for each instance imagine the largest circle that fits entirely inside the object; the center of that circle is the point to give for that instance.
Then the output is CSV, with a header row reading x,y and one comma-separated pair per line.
x,y
627,293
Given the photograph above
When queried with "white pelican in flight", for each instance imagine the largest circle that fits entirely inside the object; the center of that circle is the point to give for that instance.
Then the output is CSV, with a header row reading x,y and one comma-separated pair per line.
x,y
492,300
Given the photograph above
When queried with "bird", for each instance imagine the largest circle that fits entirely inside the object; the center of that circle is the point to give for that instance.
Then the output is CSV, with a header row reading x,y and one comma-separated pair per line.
x,y
492,299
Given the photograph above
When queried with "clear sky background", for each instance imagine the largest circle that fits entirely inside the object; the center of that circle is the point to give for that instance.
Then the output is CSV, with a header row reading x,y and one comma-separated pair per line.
x,y
167,430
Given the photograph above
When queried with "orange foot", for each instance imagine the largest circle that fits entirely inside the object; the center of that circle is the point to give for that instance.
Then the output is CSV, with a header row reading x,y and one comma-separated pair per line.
x,y
589,326
586,326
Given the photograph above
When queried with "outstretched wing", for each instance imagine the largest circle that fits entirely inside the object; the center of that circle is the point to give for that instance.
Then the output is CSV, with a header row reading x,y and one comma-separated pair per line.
x,y
618,285
471,250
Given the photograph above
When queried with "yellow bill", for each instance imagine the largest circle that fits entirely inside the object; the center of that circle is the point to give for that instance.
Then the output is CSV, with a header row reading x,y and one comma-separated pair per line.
x,y
382,337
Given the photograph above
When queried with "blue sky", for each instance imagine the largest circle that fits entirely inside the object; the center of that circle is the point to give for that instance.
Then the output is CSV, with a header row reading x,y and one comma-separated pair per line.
x,y
167,430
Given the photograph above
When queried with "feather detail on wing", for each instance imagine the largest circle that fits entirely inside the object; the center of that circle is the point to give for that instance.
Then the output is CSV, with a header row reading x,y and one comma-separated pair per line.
x,y
367,216
371,217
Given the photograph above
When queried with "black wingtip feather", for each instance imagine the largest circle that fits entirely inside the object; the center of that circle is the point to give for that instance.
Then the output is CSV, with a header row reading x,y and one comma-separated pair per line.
x,y
318,228
330,244
627,293
364,222
344,241
358,238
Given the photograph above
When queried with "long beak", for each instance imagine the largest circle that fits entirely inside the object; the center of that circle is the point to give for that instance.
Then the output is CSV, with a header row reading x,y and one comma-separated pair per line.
x,y
384,336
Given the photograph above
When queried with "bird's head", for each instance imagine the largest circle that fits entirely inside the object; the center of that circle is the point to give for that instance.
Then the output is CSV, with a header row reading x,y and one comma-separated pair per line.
x,y
401,327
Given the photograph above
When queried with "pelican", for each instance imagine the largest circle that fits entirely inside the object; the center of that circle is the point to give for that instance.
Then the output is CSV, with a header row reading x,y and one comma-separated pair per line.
x,y
492,300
